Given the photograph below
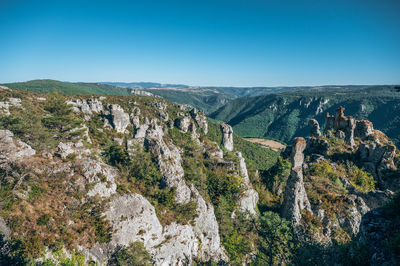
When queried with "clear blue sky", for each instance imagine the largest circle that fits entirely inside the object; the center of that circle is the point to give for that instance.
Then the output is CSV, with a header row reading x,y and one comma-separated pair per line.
x,y
202,42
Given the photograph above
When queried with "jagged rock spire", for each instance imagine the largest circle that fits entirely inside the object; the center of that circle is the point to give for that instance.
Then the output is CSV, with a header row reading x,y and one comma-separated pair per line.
x,y
296,199
227,137
315,130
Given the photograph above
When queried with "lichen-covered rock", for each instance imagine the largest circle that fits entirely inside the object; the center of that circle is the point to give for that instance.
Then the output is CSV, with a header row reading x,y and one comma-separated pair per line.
x,y
120,119
66,149
227,137
377,158
295,197
317,146
11,149
183,123
249,198
200,119
363,129
134,219
314,128
169,161
10,102
206,230
101,174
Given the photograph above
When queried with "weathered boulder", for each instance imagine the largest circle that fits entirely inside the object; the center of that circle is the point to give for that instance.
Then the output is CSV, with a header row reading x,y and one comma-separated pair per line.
x,y
314,128
10,102
101,174
11,149
295,197
227,136
66,149
120,119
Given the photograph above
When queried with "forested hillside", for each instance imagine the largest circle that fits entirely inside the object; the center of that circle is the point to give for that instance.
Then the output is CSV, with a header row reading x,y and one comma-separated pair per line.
x,y
285,115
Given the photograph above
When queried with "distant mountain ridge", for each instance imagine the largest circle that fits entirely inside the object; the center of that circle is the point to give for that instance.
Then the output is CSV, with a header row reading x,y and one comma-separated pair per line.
x,y
285,115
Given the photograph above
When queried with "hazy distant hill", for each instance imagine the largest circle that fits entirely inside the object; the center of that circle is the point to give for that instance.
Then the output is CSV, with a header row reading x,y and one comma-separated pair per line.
x,y
285,115
208,99
48,85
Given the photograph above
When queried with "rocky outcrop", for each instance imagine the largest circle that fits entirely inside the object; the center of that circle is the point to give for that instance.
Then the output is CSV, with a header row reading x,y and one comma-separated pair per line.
x,y
183,123
314,128
102,175
347,124
134,219
88,107
169,161
12,150
119,119
201,120
295,197
8,103
249,197
64,150
377,158
373,237
364,128
317,146
227,137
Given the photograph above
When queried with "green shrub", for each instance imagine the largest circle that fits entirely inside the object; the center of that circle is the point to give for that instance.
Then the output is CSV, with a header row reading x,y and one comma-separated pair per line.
x,y
44,219
360,179
60,117
237,247
276,242
135,254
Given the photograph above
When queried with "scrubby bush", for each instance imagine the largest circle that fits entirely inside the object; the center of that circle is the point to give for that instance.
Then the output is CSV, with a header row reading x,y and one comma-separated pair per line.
x,y
135,254
276,242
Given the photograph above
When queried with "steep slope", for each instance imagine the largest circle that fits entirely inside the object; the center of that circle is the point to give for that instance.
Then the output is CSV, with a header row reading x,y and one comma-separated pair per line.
x,y
47,86
93,178
285,115
339,193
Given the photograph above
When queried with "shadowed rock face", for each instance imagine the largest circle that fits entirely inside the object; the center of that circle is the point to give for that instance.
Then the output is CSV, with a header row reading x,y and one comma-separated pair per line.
x,y
363,129
295,199
315,131
227,137
347,124
120,119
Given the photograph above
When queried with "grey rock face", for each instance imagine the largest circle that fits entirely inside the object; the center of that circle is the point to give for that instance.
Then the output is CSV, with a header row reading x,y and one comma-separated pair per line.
x,y
363,129
373,230
377,158
134,219
100,173
183,123
314,128
317,146
227,137
120,119
169,161
11,149
10,102
249,198
295,199
88,107
200,119
347,124
68,148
